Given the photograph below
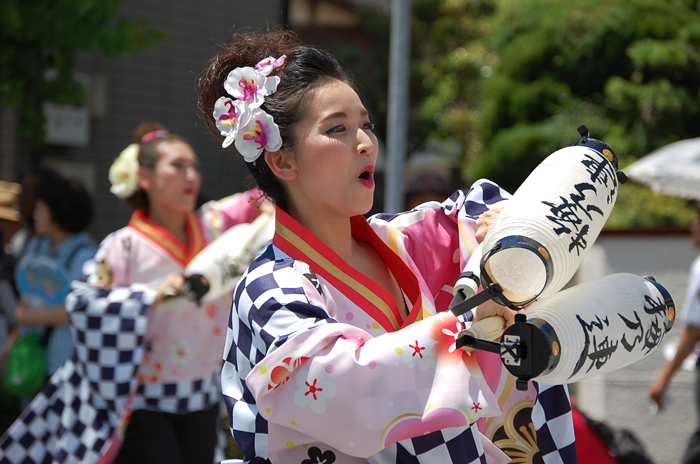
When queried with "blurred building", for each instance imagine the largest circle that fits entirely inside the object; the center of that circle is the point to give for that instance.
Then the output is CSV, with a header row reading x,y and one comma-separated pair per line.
x,y
159,85
332,23
153,85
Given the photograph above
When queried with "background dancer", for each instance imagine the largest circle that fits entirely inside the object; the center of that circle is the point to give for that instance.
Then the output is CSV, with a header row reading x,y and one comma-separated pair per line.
x,y
146,369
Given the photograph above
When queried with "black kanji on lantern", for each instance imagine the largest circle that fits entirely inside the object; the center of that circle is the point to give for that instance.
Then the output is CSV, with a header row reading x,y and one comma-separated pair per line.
x,y
596,351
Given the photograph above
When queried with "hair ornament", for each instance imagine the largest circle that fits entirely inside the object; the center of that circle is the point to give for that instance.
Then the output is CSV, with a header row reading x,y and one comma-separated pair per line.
x,y
269,64
124,171
156,134
239,117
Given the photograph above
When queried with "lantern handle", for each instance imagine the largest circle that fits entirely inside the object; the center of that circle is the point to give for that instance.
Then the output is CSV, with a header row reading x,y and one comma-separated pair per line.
x,y
524,349
460,305
600,146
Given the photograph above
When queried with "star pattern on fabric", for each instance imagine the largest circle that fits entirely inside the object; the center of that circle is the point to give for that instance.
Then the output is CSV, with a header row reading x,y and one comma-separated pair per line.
x,y
417,349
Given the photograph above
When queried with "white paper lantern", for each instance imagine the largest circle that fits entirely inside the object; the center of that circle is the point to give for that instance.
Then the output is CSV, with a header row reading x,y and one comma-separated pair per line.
x,y
590,329
543,233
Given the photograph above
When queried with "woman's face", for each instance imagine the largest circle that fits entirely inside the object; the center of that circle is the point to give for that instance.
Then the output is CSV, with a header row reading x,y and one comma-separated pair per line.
x,y
335,154
174,182
42,217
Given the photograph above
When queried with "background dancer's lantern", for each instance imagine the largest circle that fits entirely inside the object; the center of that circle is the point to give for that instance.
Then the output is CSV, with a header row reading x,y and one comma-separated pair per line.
x,y
215,270
543,233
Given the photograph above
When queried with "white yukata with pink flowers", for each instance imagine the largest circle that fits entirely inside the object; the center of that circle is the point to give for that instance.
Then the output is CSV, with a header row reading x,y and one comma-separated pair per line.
x,y
127,356
321,366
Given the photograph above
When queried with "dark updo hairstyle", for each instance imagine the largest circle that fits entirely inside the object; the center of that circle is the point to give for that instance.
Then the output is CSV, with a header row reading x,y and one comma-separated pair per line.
x,y
149,136
306,70
69,202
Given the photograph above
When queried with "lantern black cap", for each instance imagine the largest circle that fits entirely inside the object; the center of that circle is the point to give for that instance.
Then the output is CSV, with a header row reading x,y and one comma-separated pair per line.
x,y
602,148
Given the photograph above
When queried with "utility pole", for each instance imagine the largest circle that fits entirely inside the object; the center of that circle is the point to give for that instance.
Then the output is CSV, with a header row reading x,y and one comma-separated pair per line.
x,y
397,120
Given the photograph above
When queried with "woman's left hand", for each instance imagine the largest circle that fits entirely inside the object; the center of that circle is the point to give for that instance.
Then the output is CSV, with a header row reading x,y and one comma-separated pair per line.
x,y
484,222
168,288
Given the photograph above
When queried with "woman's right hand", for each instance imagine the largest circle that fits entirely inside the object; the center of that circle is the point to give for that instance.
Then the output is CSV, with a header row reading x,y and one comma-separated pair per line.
x,y
492,309
168,288
484,222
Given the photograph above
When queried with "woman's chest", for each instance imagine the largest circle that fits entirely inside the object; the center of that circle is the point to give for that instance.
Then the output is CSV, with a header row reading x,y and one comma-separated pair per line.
x,y
371,265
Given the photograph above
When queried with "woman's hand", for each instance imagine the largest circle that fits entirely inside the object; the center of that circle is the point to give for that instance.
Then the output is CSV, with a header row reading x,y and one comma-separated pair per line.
x,y
168,288
491,309
658,390
484,222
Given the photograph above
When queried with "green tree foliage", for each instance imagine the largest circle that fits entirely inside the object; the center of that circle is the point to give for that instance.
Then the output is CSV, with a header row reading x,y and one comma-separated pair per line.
x,y
453,60
38,42
637,207
627,69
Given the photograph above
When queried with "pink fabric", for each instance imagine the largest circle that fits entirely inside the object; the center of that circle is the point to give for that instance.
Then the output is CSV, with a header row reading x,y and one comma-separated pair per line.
x,y
402,381
223,214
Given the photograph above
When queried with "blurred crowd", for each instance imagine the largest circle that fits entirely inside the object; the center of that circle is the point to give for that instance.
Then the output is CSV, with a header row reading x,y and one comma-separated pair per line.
x,y
43,223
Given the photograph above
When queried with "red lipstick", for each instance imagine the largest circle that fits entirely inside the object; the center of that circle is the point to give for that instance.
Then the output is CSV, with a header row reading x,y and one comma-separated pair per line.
x,y
367,176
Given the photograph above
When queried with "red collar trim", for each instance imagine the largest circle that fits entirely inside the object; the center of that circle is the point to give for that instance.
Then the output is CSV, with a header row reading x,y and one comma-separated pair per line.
x,y
165,240
300,243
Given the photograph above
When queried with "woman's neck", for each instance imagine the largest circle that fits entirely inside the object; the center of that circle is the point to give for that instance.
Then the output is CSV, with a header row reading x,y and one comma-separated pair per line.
x,y
334,231
174,222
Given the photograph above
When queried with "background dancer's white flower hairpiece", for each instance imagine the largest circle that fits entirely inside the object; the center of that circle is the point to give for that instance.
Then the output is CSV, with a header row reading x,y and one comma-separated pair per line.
x,y
124,172
240,119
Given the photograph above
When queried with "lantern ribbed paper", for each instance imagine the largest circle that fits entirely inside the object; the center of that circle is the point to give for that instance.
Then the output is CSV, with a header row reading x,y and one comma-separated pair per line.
x,y
600,326
543,233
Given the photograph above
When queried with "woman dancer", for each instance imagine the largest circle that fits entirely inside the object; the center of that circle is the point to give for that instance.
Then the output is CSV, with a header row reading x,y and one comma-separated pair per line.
x,y
339,346
145,370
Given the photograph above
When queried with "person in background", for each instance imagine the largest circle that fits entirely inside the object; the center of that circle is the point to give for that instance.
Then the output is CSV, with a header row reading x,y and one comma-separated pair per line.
x,y
427,186
51,260
143,384
690,337
10,223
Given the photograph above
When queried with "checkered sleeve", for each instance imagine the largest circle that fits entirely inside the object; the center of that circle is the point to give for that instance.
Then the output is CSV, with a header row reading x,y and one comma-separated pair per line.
x,y
270,307
481,196
551,416
74,415
66,422
109,326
